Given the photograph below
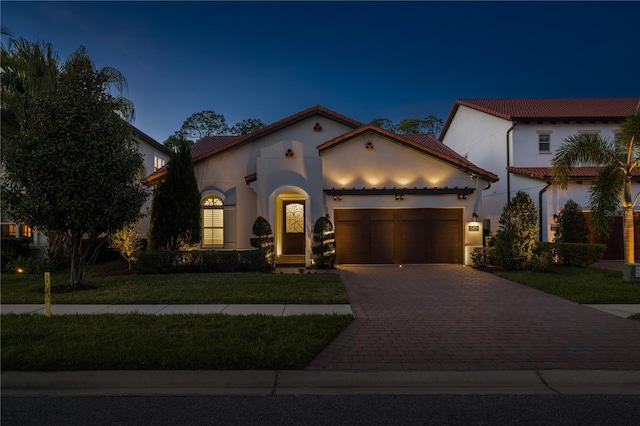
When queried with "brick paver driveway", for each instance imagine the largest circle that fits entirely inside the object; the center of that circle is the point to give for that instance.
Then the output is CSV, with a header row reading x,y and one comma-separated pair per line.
x,y
450,317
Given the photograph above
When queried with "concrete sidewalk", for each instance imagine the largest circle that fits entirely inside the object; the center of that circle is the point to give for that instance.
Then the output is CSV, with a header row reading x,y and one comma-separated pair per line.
x,y
621,310
229,309
268,382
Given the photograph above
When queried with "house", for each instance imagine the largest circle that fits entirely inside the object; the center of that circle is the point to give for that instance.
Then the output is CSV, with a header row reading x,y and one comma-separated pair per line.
x,y
154,154
517,139
392,198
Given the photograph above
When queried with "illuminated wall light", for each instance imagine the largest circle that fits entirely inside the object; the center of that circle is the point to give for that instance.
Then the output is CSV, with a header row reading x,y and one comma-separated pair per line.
x,y
373,181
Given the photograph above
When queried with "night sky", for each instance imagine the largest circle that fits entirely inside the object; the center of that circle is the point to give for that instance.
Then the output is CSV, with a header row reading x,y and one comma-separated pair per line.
x,y
397,60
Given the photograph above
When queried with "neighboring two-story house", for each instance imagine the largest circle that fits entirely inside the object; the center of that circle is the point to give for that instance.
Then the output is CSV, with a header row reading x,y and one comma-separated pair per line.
x,y
392,198
516,138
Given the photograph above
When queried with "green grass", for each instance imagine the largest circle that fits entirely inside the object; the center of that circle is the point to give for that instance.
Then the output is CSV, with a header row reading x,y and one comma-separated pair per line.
x,y
320,288
164,342
635,316
581,285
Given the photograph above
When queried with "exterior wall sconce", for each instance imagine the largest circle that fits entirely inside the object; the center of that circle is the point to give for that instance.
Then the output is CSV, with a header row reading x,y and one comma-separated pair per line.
x,y
317,127
462,197
289,153
337,198
368,146
555,218
399,197
475,217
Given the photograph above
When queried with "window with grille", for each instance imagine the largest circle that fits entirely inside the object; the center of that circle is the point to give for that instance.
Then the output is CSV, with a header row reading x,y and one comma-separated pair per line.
x,y
212,222
544,143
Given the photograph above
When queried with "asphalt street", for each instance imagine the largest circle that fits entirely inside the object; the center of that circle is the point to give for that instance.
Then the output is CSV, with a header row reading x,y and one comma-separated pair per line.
x,y
353,410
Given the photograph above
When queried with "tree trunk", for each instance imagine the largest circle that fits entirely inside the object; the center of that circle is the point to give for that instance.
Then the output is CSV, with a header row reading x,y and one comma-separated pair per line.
x,y
627,224
77,259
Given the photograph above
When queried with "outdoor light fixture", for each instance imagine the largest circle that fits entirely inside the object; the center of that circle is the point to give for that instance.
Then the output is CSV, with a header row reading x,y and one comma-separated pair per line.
x,y
337,197
461,196
555,218
399,197
475,217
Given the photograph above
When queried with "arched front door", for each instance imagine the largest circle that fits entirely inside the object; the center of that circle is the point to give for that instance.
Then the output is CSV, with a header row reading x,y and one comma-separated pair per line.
x,y
293,226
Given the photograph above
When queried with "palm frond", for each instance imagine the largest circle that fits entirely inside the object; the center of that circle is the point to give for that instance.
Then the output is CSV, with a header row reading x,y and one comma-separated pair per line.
x,y
586,149
112,77
605,196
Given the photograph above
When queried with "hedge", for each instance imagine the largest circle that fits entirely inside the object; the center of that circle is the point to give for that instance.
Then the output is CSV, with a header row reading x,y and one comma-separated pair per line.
x,y
582,254
176,262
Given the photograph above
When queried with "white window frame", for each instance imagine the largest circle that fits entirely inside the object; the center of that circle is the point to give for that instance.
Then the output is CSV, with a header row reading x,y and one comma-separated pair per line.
x,y
540,134
158,162
213,206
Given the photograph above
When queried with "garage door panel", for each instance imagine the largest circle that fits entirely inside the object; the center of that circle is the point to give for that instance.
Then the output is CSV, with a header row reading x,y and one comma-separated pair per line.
x,y
444,242
412,244
382,245
352,243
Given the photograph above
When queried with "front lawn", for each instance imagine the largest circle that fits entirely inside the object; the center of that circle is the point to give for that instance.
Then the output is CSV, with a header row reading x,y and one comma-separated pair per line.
x,y
239,287
581,285
165,342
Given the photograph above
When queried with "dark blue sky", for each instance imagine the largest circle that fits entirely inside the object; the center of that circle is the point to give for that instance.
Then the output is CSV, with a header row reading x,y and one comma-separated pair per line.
x,y
397,60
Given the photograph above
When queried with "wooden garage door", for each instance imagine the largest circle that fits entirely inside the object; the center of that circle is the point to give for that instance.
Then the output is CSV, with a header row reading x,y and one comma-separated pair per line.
x,y
399,236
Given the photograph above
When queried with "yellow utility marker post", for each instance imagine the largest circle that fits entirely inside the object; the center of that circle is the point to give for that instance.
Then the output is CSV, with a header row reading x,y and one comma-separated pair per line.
x,y
47,293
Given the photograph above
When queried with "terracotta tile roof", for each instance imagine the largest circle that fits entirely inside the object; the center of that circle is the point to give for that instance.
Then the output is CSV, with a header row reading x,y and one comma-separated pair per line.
x,y
424,143
567,109
210,143
218,145
545,173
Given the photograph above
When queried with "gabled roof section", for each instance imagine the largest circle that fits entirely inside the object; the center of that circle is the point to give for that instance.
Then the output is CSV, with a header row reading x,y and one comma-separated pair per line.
x,y
423,143
219,145
546,173
560,109
149,140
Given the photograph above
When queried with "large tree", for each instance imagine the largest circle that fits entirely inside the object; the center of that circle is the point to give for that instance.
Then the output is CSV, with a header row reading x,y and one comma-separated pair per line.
x,y
70,166
247,126
204,123
175,209
430,125
611,188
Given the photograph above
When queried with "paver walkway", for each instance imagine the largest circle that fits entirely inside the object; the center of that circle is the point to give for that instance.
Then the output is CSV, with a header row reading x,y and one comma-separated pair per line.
x,y
450,317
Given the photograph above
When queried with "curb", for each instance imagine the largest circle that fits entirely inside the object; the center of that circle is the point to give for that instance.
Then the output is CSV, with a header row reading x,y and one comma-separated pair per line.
x,y
272,382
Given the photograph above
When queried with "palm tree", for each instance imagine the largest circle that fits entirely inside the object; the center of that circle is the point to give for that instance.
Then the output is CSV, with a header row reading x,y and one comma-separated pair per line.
x,y
611,187
28,71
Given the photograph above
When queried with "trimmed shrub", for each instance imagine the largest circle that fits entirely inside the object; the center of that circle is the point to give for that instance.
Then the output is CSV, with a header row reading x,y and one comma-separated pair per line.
x,y
180,262
516,238
263,241
484,256
572,224
324,246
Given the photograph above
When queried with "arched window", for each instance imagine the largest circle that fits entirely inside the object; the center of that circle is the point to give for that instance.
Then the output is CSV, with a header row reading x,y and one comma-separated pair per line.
x,y
212,222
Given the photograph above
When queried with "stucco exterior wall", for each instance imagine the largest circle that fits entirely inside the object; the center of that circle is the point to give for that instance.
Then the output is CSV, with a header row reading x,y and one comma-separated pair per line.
x,y
483,139
148,153
392,165
525,139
